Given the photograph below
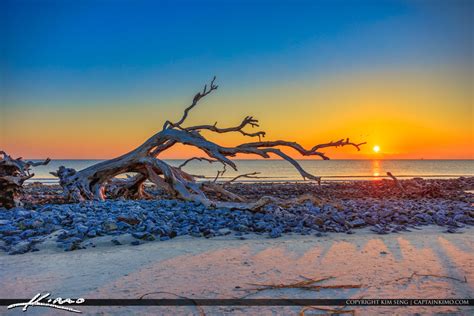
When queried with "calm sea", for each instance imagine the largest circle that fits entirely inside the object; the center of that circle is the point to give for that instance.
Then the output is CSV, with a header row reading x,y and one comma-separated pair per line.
x,y
279,170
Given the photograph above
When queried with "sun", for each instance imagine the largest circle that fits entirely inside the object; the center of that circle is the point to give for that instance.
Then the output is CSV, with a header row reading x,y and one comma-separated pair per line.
x,y
376,148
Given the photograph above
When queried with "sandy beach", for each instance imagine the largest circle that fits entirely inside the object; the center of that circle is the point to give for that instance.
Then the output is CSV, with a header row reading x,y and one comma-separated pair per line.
x,y
225,267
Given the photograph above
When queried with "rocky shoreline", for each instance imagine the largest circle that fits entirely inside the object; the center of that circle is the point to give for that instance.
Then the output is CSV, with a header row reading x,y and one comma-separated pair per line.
x,y
337,207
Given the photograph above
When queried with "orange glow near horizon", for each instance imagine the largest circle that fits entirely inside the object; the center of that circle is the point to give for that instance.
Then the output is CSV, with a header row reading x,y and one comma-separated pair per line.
x,y
414,113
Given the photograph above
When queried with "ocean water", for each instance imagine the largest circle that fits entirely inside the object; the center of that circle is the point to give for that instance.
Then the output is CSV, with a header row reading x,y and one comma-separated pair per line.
x,y
280,170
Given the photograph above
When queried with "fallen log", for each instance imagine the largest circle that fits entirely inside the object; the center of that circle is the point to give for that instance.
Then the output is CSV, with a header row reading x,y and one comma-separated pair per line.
x,y
90,183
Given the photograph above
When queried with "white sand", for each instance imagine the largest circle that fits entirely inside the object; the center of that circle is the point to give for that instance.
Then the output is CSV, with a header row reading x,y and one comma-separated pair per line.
x,y
212,268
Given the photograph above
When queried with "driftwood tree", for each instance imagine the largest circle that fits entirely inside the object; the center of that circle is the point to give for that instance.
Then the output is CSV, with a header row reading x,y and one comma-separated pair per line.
x,y
13,173
94,181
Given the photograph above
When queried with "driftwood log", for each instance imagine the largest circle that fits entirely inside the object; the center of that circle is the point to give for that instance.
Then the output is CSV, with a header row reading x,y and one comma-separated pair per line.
x,y
92,182
13,173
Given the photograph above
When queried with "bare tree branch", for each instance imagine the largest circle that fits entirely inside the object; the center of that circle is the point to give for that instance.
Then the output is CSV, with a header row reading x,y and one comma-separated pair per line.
x,y
198,159
252,175
196,99
248,120
90,182
220,173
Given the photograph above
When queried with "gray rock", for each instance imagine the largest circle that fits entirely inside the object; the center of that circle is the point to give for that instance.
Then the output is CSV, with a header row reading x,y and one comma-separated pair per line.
x,y
109,226
116,242
20,248
357,222
143,236
224,231
275,233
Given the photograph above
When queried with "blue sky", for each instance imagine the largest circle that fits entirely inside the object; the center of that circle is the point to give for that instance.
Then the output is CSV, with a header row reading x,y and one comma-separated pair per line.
x,y
79,45
78,54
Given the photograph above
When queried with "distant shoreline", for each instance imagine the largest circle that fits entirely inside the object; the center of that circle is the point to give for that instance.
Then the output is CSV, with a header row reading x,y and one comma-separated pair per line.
x,y
280,180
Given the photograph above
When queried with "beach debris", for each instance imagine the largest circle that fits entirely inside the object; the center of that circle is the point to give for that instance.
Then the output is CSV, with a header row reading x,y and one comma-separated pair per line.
x,y
397,183
420,275
13,173
307,284
96,181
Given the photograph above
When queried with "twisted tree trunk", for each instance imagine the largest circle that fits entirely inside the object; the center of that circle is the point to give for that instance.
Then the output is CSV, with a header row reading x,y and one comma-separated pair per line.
x,y
90,183
13,173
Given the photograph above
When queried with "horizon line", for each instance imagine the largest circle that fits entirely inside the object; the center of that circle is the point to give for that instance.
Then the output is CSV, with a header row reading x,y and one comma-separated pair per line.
x,y
270,159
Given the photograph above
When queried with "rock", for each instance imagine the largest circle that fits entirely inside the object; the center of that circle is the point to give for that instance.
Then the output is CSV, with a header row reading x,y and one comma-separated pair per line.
x,y
357,223
116,242
195,234
123,226
20,248
170,218
402,219
224,231
143,236
109,226
451,230
379,229
9,230
72,245
129,220
37,223
27,233
82,228
241,228
339,218
22,212
275,233
261,226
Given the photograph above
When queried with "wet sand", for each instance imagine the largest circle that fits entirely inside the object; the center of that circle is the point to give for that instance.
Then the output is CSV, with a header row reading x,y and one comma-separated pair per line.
x,y
224,267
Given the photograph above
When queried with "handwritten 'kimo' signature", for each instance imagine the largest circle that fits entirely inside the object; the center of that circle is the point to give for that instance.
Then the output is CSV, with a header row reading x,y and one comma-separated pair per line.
x,y
57,303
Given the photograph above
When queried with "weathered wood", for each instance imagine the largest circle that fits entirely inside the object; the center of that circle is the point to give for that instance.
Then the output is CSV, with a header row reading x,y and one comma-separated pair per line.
x,y
13,173
397,183
90,182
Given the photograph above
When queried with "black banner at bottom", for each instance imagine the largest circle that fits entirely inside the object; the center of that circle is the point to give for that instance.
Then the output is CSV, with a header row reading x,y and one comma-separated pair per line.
x,y
260,302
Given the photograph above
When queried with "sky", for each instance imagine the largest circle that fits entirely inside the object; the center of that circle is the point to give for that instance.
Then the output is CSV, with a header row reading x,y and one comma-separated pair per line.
x,y
94,79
